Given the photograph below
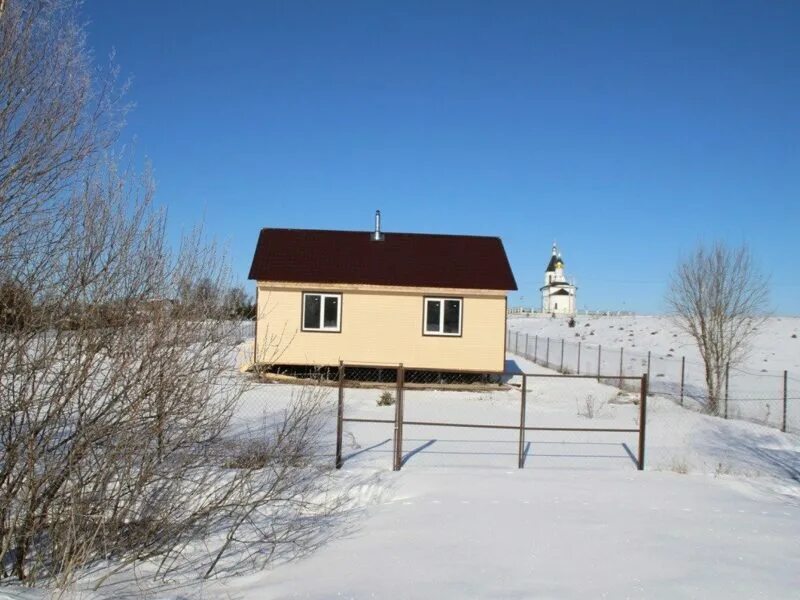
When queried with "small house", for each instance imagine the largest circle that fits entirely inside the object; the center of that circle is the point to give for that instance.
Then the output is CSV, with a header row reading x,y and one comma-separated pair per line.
x,y
426,301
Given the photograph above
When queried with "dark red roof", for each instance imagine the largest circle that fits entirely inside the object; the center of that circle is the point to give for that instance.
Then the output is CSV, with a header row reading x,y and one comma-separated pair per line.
x,y
401,259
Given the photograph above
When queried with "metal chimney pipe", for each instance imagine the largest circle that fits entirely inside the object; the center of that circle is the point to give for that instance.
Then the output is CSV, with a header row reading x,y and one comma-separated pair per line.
x,y
377,236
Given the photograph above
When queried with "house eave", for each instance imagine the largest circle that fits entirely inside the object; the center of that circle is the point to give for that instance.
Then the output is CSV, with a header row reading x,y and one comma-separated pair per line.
x,y
372,288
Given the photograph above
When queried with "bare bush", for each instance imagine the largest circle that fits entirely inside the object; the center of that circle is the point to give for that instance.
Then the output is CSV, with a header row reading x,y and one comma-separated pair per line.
x,y
679,465
719,297
116,403
386,399
590,408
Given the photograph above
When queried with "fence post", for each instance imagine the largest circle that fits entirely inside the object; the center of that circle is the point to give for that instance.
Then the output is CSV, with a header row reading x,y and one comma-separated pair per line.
x,y
397,441
255,336
562,356
642,421
523,400
527,336
599,357
516,343
785,397
727,379
535,348
402,402
547,354
683,376
579,358
340,417
620,367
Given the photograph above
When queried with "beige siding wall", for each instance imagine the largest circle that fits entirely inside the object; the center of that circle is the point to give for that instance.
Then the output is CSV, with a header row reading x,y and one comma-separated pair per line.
x,y
381,325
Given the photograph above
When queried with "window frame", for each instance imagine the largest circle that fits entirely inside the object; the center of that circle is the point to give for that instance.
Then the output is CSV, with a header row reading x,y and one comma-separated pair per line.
x,y
441,332
322,328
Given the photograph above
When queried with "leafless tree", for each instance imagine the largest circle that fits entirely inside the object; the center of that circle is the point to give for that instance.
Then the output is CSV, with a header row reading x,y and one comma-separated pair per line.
x,y
57,117
719,297
117,439
238,304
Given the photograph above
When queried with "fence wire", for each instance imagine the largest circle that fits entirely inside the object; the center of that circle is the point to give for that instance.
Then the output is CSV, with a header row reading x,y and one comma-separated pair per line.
x,y
476,418
771,399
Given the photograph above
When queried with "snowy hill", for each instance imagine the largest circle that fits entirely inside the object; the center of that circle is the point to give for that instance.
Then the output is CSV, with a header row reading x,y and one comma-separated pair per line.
x,y
622,343
773,350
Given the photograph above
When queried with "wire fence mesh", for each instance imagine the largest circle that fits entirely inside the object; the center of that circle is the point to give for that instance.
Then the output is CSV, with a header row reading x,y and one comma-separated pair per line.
x,y
475,418
560,411
771,399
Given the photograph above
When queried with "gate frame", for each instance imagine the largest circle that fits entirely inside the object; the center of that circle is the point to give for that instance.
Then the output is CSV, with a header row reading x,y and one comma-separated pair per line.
x,y
399,420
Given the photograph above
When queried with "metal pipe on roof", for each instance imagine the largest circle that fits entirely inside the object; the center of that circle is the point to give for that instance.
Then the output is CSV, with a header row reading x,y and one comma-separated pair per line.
x,y
377,236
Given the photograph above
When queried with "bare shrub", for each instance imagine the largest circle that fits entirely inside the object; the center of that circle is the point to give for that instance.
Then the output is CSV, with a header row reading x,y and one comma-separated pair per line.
x,y
590,407
386,399
679,465
116,402
719,297
723,469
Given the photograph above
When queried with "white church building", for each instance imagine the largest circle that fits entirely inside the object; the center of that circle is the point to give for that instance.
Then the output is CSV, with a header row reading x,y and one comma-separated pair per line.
x,y
558,295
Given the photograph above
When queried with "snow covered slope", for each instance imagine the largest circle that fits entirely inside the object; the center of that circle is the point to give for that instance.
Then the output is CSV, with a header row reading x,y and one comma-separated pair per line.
x,y
774,348
756,385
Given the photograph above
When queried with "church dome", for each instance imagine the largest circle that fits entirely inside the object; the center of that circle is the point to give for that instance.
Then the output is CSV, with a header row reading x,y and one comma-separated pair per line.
x,y
556,262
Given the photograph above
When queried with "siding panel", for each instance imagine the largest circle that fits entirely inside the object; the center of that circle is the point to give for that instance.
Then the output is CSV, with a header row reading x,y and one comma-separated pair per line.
x,y
381,326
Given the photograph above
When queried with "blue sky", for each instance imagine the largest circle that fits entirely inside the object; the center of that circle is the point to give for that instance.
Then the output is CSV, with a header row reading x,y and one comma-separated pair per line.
x,y
626,131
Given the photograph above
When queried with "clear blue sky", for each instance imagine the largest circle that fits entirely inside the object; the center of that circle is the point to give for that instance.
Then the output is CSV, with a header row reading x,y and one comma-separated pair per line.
x,y
626,131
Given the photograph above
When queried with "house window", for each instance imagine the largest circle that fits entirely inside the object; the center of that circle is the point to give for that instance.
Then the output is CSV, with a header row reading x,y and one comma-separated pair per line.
x,y
442,316
322,312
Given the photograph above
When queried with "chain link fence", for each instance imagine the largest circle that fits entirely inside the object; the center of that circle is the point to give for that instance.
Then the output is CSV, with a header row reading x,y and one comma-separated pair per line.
x,y
765,398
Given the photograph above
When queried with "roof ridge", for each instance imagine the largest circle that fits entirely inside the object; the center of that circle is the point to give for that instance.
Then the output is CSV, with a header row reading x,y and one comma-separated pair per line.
x,y
365,231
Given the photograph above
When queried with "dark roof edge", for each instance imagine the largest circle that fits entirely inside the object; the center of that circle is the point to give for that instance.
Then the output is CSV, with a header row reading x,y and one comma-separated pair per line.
x,y
367,232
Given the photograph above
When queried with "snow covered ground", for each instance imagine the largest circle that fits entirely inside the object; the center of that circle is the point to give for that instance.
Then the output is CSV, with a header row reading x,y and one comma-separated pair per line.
x,y
502,533
756,385
716,514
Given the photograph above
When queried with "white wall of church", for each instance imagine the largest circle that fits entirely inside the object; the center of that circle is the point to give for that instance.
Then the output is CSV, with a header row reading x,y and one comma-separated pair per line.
x,y
560,305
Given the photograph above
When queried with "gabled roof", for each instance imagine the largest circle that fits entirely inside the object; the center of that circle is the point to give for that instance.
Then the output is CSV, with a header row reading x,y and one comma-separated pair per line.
x,y
400,259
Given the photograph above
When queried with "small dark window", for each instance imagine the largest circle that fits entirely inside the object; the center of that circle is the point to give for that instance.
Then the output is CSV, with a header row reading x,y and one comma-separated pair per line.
x,y
452,316
443,316
434,312
322,312
331,319
312,311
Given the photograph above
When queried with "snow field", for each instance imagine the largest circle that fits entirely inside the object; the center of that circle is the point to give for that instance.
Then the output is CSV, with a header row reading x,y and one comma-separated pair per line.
x,y
716,513
756,385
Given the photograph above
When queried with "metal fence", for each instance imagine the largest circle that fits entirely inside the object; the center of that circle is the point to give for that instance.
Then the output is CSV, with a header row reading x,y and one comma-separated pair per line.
x,y
771,399
397,379
527,311
247,329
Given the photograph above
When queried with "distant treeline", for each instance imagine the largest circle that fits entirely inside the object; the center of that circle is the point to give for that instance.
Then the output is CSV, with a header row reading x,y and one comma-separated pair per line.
x,y
19,309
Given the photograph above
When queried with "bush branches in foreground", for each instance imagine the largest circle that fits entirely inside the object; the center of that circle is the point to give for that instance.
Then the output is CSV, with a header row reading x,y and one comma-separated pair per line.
x,y
116,401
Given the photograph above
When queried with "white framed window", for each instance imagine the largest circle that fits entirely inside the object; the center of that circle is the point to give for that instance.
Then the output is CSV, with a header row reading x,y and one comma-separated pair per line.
x,y
442,316
322,312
